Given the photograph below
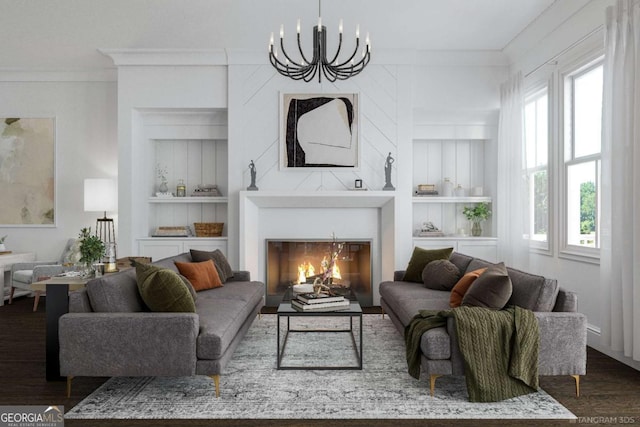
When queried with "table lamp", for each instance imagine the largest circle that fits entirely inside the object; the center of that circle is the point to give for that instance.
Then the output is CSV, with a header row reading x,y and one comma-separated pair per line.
x,y
102,195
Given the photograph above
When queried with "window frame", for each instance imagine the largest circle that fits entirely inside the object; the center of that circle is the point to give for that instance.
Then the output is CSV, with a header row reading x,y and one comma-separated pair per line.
x,y
532,91
567,158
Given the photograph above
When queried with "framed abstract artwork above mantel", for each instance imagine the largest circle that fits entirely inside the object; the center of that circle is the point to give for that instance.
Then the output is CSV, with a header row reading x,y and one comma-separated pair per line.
x,y
319,131
27,171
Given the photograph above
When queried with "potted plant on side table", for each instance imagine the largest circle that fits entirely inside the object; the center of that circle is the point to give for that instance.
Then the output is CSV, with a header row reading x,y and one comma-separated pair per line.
x,y
476,215
92,250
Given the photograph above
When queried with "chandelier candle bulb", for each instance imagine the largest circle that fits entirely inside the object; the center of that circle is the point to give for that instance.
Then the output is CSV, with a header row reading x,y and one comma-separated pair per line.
x,y
319,24
298,26
358,31
340,27
281,31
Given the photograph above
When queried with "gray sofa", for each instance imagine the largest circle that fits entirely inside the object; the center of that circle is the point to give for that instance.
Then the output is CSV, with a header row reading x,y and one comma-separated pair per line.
x,y
109,332
563,331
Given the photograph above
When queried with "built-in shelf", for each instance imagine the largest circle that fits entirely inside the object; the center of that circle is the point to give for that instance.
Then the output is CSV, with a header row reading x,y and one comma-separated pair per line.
x,y
466,238
442,199
198,199
222,238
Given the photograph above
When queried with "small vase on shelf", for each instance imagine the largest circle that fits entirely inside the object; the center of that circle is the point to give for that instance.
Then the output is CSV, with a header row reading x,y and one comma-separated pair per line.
x,y
163,187
476,229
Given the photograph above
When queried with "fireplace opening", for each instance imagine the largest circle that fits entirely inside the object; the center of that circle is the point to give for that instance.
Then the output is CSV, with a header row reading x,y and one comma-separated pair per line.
x,y
292,262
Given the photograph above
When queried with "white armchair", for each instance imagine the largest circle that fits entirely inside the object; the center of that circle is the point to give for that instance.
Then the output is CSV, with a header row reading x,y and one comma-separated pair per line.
x,y
25,273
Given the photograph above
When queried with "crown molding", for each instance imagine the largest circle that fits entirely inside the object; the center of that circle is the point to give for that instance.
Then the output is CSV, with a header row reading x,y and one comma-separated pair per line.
x,y
160,57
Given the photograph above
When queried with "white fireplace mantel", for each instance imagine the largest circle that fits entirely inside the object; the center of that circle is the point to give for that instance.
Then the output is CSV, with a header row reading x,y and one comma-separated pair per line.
x,y
318,199
378,208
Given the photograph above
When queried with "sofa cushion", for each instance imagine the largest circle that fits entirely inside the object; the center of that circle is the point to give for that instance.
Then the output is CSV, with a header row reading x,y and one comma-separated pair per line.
x,y
461,288
222,312
419,260
440,275
491,290
406,299
222,265
115,293
461,261
202,275
533,292
530,291
163,290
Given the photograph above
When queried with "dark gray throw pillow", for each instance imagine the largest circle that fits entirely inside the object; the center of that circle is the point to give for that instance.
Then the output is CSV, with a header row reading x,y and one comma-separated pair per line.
x,y
441,275
219,260
491,290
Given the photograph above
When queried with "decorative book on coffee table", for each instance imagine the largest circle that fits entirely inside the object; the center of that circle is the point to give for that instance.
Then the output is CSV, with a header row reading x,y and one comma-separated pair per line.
x,y
322,306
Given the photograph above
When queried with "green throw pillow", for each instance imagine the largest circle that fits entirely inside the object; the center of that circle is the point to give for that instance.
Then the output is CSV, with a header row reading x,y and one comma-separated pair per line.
x,y
163,290
491,290
419,260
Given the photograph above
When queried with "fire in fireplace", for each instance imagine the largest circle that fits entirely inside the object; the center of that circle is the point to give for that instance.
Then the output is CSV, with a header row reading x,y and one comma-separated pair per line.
x,y
292,262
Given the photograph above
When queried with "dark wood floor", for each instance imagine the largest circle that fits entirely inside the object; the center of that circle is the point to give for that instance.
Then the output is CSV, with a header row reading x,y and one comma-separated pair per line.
x,y
610,390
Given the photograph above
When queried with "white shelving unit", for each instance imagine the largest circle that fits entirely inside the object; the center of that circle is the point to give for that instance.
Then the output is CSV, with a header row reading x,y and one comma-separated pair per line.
x,y
463,162
189,200
191,146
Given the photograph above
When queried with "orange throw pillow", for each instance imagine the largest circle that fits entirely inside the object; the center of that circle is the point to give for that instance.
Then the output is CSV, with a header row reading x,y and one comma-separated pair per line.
x,y
463,285
202,275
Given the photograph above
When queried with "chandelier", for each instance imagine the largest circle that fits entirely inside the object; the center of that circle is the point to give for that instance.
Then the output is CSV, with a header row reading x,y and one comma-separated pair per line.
x,y
306,69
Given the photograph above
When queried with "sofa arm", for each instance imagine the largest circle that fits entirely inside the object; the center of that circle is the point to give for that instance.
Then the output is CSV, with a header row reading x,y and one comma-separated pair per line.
x,y
128,344
398,275
20,266
43,272
563,343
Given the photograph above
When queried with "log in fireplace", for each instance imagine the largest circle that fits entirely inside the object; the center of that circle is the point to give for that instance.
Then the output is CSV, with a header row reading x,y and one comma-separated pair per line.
x,y
291,262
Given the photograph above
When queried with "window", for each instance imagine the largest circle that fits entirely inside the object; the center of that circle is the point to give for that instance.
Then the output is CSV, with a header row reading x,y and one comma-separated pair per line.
x,y
536,152
582,143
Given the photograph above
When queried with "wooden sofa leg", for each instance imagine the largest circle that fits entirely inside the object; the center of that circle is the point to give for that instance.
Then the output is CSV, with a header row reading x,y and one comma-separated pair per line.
x,y
432,383
11,295
382,313
577,378
69,379
216,381
36,300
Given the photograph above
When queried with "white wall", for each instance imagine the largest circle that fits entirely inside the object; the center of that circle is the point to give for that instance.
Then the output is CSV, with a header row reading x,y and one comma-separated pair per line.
x,y
86,147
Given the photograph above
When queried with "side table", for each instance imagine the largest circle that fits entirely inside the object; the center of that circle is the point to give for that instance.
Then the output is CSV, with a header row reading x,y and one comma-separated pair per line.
x,y
57,301
6,261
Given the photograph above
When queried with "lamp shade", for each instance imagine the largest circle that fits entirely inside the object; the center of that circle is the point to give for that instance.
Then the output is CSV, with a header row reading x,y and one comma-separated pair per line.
x,y
100,195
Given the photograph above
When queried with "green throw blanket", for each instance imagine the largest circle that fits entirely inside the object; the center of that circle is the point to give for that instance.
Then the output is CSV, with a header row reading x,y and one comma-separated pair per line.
x,y
500,349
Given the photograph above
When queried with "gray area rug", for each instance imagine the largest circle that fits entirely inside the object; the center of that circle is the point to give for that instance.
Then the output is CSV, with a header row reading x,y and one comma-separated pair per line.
x,y
252,387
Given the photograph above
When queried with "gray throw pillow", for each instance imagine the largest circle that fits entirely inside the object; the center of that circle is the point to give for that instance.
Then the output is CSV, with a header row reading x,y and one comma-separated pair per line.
x,y
491,290
441,275
219,260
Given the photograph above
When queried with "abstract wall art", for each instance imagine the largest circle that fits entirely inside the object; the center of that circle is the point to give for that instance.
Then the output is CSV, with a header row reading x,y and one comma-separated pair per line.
x,y
319,131
27,171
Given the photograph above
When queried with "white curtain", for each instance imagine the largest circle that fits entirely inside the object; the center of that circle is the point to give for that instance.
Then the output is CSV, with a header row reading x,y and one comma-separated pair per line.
x,y
512,202
620,199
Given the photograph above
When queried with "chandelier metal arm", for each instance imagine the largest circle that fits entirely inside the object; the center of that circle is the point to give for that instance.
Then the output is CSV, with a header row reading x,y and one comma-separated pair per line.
x,y
319,64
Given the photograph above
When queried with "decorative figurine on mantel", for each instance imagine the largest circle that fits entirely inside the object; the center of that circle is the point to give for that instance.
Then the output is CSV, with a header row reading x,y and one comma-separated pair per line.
x,y
387,173
252,169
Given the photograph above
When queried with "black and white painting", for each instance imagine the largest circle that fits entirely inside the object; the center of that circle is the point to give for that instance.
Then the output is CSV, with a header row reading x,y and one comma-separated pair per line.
x,y
319,131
